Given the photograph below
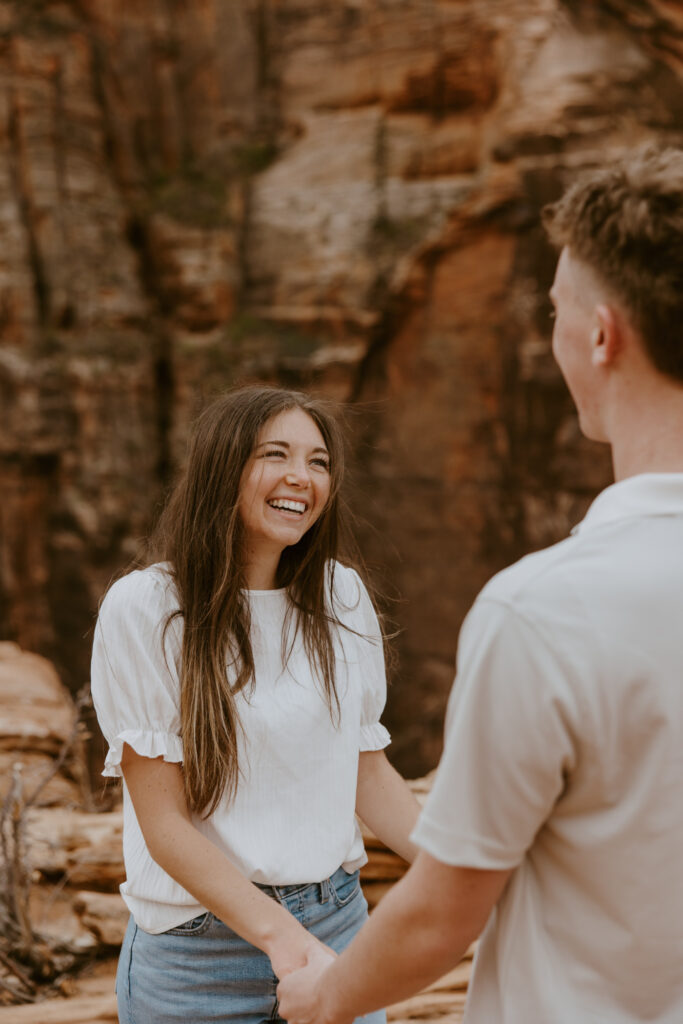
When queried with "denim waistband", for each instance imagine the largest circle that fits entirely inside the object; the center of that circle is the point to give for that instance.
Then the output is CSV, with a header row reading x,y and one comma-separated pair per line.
x,y
321,889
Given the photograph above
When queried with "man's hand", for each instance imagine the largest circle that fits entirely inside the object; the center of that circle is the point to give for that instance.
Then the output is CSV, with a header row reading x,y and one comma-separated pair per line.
x,y
301,994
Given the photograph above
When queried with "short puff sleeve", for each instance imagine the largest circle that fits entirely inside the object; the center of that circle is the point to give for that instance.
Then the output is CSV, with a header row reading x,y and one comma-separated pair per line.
x,y
135,669
370,661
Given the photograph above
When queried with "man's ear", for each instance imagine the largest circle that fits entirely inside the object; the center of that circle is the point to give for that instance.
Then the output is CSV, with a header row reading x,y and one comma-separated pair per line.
x,y
605,337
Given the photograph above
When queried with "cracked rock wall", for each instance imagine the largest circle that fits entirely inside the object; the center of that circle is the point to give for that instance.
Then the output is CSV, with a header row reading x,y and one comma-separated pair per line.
x,y
337,196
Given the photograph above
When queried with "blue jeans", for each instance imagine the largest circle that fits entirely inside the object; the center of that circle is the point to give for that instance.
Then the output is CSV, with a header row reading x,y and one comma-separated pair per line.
x,y
203,972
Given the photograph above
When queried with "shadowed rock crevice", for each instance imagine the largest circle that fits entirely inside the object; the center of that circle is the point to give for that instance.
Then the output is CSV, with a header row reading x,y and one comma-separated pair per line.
x,y
24,200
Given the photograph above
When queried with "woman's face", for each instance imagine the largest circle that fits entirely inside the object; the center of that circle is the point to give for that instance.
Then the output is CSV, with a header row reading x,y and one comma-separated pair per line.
x,y
286,482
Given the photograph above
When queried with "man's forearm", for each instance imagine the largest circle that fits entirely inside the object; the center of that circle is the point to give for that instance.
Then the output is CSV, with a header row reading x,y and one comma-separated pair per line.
x,y
397,954
422,928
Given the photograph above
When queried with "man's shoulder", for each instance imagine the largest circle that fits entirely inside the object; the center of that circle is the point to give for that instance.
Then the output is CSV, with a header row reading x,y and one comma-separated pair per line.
x,y
538,577
535,614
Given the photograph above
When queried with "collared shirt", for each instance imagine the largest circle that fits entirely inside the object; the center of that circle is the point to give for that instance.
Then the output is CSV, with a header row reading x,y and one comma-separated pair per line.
x,y
564,761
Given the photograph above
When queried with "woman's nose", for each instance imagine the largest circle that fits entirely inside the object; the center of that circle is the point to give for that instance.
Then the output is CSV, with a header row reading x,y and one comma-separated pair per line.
x,y
297,476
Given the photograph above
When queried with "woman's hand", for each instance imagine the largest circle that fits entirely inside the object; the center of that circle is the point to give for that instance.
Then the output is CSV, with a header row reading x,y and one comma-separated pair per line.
x,y
288,954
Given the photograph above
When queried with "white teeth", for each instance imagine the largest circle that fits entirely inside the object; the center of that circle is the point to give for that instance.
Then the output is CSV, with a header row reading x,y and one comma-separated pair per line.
x,y
288,504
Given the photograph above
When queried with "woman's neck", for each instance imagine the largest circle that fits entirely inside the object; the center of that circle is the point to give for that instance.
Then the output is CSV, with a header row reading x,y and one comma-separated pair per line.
x,y
261,570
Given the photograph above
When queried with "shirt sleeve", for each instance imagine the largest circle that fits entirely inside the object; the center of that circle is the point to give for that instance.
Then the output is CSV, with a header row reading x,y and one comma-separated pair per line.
x,y
510,743
373,735
134,674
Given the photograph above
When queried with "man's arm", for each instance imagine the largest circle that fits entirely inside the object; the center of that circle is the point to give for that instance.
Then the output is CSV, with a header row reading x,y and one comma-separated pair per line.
x,y
422,927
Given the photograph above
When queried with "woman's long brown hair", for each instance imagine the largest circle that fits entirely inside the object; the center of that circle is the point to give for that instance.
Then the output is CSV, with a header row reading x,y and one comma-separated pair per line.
x,y
200,536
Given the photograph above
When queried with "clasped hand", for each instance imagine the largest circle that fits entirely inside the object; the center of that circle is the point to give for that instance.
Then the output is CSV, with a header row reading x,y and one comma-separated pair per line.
x,y
301,993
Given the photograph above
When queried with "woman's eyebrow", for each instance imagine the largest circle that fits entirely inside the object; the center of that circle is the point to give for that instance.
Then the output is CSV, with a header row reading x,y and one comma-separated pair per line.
x,y
286,444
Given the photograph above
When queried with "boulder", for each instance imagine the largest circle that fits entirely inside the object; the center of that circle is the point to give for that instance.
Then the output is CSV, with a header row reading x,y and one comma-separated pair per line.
x,y
105,916
76,847
37,717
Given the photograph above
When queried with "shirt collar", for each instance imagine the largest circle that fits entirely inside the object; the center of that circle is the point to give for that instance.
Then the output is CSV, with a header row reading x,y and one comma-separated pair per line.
x,y
648,494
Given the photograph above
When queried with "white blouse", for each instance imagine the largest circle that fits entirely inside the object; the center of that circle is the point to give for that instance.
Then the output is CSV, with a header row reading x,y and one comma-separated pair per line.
x,y
292,818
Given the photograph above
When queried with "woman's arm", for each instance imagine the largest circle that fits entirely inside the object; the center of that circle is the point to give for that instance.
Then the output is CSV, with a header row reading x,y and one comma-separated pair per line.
x,y
157,791
385,803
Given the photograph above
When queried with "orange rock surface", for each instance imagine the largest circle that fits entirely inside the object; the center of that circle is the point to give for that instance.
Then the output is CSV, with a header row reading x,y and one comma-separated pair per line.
x,y
339,196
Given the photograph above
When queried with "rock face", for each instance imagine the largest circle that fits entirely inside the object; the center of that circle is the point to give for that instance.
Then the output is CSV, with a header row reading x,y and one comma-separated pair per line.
x,y
344,197
37,719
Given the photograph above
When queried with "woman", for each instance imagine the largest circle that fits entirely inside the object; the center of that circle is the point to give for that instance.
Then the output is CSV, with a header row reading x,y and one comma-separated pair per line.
x,y
239,682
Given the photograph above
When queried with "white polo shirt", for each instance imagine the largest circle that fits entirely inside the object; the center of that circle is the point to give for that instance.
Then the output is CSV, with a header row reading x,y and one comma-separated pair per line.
x,y
564,759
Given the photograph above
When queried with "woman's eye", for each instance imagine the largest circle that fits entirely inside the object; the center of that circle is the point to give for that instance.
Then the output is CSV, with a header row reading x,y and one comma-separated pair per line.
x,y
274,453
321,462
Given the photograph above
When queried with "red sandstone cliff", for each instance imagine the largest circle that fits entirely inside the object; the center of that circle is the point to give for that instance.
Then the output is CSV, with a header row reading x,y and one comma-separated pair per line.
x,y
344,196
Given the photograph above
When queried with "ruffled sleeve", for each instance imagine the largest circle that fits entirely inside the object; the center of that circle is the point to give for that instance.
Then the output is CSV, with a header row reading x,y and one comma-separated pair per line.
x,y
134,675
373,680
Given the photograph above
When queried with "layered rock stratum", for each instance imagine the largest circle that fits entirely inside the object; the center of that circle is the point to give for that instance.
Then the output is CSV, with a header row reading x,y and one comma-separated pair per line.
x,y
337,196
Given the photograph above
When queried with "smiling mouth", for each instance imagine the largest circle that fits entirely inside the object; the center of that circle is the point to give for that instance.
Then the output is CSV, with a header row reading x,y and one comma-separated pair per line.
x,y
288,505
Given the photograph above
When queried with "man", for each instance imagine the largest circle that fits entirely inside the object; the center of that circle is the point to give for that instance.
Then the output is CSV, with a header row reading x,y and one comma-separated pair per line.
x,y
556,817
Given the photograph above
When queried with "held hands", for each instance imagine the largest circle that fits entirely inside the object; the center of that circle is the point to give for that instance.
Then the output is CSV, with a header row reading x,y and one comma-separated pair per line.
x,y
292,952
301,993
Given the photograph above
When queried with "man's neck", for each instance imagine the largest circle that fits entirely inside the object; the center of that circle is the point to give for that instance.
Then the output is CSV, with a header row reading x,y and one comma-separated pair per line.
x,y
648,438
